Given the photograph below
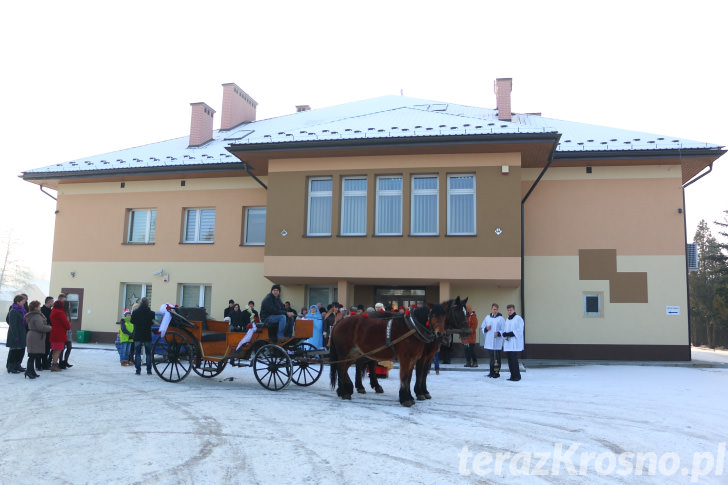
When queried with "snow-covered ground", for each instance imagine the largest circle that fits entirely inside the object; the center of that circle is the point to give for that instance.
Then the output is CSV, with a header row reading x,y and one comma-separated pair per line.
x,y
100,423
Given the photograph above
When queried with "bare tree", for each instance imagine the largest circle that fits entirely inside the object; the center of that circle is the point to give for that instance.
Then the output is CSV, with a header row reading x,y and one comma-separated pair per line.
x,y
13,273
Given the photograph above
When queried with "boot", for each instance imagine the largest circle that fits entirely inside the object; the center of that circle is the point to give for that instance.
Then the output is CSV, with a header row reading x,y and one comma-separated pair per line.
x,y
61,364
468,364
55,368
67,365
29,375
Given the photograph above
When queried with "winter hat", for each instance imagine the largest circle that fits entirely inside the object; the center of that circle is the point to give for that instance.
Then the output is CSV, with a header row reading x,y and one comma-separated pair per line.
x,y
275,287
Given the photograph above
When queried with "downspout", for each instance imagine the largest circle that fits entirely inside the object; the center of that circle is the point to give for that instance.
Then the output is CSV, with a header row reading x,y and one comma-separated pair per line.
x,y
46,193
247,169
685,232
523,213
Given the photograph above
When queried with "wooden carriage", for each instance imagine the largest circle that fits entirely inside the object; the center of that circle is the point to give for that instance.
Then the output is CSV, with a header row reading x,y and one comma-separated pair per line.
x,y
208,346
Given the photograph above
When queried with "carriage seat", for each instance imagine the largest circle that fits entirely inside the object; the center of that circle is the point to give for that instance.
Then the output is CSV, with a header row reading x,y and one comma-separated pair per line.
x,y
212,336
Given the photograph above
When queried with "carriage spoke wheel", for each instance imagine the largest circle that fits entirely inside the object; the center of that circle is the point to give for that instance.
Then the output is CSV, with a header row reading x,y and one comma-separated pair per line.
x,y
209,368
272,367
307,368
172,356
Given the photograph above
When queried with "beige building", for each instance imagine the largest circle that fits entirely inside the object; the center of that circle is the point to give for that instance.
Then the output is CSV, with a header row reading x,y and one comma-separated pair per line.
x,y
397,200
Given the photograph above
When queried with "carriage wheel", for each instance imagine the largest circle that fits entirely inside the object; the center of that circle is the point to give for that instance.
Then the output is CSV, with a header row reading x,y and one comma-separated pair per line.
x,y
307,368
272,367
209,368
172,356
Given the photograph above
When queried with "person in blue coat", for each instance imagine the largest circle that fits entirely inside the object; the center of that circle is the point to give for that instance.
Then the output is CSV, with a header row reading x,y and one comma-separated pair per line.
x,y
317,340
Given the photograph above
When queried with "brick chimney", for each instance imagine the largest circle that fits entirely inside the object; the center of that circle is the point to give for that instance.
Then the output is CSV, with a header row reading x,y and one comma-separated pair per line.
x,y
237,106
503,86
201,126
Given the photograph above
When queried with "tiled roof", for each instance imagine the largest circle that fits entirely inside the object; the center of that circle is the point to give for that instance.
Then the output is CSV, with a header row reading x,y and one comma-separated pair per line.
x,y
387,117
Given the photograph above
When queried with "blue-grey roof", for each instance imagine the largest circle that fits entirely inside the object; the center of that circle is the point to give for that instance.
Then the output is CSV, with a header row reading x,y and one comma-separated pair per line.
x,y
387,117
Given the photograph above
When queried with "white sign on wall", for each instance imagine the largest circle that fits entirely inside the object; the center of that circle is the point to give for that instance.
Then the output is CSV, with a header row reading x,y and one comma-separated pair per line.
x,y
672,310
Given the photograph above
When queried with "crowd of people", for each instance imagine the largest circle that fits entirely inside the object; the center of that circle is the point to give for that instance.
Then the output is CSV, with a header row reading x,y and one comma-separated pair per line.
x,y
43,330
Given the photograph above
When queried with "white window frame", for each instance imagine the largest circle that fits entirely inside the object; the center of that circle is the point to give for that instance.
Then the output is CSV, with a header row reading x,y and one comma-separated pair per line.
x,y
315,195
350,194
145,287
389,193
149,231
196,237
202,288
425,192
246,238
452,192
600,299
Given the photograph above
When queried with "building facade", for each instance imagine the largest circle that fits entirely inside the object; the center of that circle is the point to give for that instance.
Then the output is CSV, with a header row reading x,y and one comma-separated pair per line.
x,y
397,200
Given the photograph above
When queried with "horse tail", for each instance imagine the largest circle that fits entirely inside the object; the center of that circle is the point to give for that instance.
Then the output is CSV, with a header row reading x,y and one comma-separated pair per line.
x,y
333,357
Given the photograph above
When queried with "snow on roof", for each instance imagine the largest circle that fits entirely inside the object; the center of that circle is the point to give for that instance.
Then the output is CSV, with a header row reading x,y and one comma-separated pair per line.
x,y
385,117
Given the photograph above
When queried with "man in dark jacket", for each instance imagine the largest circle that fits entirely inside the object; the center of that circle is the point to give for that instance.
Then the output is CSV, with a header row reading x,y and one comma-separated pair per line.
x,y
273,313
143,319
46,311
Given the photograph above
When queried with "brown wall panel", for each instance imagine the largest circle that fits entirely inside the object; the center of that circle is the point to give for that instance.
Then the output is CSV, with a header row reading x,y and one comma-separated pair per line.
x,y
497,206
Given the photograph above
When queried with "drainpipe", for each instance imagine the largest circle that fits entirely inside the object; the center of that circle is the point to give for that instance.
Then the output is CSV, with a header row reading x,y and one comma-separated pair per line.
x,y
685,232
247,169
46,193
523,213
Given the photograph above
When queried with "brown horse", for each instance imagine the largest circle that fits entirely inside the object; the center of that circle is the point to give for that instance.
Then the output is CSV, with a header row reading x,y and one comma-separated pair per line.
x,y
455,320
401,337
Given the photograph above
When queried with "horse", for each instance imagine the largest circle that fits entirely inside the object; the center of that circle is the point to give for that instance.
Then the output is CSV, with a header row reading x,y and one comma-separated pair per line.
x,y
396,337
455,319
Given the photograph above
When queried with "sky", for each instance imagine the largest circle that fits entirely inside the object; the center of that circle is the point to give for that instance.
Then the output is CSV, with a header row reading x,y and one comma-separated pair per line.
x,y
83,78
105,425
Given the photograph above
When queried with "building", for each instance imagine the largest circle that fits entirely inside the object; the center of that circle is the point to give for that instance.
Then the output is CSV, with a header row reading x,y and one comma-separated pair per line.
x,y
392,199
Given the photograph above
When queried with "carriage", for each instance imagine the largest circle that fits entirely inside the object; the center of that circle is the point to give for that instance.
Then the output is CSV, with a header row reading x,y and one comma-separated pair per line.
x,y
192,343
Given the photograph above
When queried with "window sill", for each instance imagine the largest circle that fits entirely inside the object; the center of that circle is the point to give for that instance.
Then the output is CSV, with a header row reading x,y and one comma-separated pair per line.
x,y
137,244
197,243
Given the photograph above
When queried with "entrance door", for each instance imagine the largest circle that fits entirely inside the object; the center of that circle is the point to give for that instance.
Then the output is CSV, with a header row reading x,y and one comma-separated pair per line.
x,y
74,307
397,296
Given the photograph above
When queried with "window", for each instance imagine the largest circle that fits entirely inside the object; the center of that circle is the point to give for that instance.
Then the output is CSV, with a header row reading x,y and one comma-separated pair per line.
x,y
389,206
321,294
319,206
254,226
134,292
425,195
461,205
354,206
198,296
199,226
592,304
142,226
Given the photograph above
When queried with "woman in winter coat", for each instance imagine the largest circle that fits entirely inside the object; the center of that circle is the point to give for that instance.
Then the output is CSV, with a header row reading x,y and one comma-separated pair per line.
x,y
37,329
15,340
59,327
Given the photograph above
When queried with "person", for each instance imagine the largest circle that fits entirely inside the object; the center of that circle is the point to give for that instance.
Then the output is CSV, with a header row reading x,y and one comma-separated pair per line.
x,y
304,312
46,311
38,328
492,328
272,313
288,308
230,307
236,319
126,340
15,340
142,318
317,339
63,362
471,339
379,307
59,329
513,344
250,314
328,320
445,350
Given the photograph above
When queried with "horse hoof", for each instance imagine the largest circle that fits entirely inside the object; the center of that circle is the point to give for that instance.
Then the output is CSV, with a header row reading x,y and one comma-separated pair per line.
x,y
361,391
408,404
420,397
427,396
379,390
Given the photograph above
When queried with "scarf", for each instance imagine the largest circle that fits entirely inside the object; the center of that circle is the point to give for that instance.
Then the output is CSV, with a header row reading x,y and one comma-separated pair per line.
x,y
22,311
